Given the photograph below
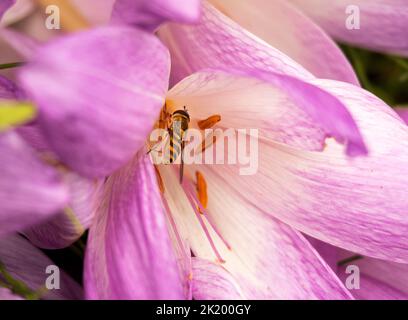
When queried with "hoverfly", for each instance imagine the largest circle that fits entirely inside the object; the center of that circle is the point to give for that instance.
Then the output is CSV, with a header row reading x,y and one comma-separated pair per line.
x,y
176,125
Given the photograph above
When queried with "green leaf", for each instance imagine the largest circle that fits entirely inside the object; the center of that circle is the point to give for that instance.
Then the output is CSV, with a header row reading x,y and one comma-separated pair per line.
x,y
14,113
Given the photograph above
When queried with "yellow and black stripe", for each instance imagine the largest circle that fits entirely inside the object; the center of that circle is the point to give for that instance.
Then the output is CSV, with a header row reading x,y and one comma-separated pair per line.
x,y
179,124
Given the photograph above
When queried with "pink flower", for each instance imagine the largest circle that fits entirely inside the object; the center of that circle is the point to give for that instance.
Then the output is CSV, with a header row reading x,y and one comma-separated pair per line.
x,y
331,157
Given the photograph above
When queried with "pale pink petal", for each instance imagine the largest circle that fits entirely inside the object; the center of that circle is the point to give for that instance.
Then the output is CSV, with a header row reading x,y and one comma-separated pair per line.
x,y
30,191
286,28
284,109
218,41
68,226
18,11
268,259
355,203
29,265
212,282
110,89
383,23
8,90
149,14
129,254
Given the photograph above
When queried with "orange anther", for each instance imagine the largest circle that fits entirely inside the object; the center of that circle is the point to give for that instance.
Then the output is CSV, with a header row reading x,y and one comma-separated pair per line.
x,y
202,189
209,122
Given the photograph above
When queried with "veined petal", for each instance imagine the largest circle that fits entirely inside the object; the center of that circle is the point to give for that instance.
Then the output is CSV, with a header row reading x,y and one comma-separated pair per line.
x,y
129,254
375,279
212,282
328,252
359,204
66,227
403,113
149,14
286,28
383,23
391,274
28,264
110,89
30,191
283,108
268,259
217,41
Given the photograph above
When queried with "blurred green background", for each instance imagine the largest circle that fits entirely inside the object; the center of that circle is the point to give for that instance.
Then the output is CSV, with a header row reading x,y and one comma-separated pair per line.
x,y
384,75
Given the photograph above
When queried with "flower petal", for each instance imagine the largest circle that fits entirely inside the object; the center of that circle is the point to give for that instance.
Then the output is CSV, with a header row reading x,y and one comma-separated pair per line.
x,y
65,228
19,10
283,108
4,6
219,42
149,14
268,259
377,279
403,113
372,289
110,89
383,23
96,12
30,191
302,39
129,255
6,294
8,90
28,264
212,282
359,204
391,274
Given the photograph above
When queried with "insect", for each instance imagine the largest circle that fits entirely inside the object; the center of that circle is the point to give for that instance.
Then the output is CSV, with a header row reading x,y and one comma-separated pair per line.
x,y
176,125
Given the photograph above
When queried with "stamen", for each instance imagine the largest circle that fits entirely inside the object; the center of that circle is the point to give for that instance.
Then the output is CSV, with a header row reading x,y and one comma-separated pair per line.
x,y
201,211
202,189
204,212
206,231
159,180
209,122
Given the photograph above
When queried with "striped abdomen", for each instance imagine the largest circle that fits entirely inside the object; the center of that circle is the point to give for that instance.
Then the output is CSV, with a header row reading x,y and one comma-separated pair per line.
x,y
180,122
